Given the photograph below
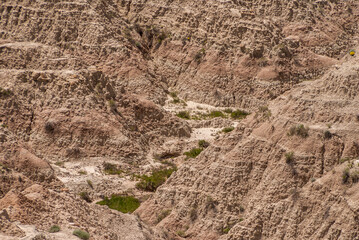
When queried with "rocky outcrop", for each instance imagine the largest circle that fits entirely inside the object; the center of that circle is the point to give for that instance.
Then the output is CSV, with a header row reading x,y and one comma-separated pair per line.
x,y
85,82
273,177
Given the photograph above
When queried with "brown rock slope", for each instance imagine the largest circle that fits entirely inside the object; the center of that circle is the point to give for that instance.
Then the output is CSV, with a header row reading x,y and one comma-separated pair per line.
x,y
83,81
243,52
272,178
30,194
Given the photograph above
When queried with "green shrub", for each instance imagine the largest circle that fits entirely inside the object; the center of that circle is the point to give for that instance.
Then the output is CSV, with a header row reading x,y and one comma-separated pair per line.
x,y
299,130
345,175
183,114
241,208
176,100
111,169
354,176
214,114
194,152
198,56
327,135
239,114
112,104
228,110
82,172
173,94
5,92
54,229
59,163
203,144
85,196
81,234
181,233
226,230
125,204
89,182
227,129
263,112
342,160
163,215
156,179
289,156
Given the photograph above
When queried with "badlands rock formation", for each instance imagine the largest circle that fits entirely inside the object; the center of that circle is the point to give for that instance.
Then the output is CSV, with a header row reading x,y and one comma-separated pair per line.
x,y
85,83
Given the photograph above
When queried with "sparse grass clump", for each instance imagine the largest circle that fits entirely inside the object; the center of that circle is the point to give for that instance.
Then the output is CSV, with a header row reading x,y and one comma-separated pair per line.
x,y
216,113
125,204
181,233
59,163
89,182
82,172
81,234
239,114
193,153
199,55
176,99
163,215
327,135
112,104
173,94
184,115
289,156
54,229
5,92
228,110
350,173
156,179
111,169
203,144
342,160
49,127
264,112
226,230
85,196
299,130
227,129
345,175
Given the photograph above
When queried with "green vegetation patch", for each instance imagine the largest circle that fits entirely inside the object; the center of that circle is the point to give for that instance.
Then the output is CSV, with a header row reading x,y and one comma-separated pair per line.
x,y
173,94
81,234
5,92
239,114
111,169
184,115
226,230
289,156
54,229
299,130
193,153
125,204
156,179
85,196
216,113
227,129
181,233
350,173
203,144
163,214
228,110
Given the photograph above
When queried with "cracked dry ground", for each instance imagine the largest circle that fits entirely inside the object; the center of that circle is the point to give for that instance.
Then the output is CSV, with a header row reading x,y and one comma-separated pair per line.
x,y
217,119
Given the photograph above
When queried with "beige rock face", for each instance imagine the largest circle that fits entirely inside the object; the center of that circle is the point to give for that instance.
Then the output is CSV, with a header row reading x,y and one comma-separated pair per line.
x,y
84,83
246,183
